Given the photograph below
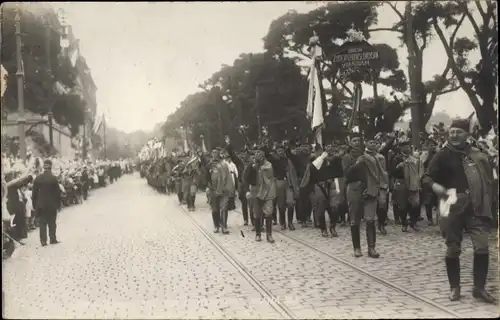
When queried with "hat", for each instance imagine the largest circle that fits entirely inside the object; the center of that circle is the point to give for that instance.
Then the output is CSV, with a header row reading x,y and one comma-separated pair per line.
x,y
262,147
280,145
47,163
463,124
404,143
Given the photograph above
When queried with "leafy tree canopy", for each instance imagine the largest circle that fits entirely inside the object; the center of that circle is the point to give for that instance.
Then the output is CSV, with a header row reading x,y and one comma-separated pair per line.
x,y
39,81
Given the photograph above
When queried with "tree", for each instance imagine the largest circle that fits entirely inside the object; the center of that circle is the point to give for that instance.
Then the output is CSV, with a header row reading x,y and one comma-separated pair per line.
x,y
39,83
228,100
443,83
289,36
478,81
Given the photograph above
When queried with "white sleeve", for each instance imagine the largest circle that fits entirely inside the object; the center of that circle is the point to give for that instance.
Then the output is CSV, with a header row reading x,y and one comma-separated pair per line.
x,y
235,169
318,162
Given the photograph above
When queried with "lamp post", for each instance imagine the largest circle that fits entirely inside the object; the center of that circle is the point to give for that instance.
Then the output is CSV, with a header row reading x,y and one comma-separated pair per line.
x,y
257,108
20,88
258,84
49,70
414,103
85,142
216,101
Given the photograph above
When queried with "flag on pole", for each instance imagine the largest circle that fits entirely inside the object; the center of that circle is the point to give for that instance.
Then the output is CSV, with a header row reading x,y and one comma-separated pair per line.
x,y
316,101
203,146
186,144
98,124
4,74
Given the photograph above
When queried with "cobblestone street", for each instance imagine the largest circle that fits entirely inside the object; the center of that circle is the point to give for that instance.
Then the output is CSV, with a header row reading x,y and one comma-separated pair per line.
x,y
130,252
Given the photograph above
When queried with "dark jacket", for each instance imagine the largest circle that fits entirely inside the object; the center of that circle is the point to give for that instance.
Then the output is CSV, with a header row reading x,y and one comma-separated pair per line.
x,y
46,193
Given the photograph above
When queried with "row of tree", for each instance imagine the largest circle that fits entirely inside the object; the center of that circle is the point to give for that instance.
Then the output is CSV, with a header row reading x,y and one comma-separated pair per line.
x,y
271,88
40,82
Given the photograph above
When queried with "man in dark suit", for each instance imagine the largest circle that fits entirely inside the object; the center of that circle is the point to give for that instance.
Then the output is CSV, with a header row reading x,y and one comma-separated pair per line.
x,y
47,201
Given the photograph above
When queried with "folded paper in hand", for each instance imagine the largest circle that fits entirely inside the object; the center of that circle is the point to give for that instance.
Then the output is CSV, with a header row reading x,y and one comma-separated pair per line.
x,y
337,185
444,205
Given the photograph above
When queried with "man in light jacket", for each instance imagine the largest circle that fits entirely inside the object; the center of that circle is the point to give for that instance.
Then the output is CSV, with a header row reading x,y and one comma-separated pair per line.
x,y
266,194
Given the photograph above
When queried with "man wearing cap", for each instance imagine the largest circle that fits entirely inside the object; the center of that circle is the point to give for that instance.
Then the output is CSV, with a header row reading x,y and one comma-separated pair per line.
x,y
326,191
354,190
375,183
409,188
221,187
465,169
241,164
47,201
266,194
279,162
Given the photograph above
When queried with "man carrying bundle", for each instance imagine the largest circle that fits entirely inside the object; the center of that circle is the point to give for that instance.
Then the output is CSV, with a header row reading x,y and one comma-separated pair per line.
x,y
465,169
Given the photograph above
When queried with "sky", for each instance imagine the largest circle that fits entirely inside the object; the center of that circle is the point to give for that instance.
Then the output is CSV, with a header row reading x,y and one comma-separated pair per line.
x,y
146,57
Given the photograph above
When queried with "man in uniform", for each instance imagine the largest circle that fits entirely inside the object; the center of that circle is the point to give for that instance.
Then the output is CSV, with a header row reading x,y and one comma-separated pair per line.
x,y
325,173
266,194
465,169
191,177
241,164
363,191
221,188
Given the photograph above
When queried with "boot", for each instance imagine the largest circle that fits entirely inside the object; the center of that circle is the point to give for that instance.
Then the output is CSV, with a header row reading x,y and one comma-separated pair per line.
x,y
428,213
193,201
28,224
371,237
453,271
290,212
31,223
324,233
356,241
333,232
215,218
224,226
282,219
269,230
382,230
257,228
415,217
480,268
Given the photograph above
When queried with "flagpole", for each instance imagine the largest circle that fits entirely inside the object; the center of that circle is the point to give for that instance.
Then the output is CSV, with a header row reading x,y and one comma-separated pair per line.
x,y
104,135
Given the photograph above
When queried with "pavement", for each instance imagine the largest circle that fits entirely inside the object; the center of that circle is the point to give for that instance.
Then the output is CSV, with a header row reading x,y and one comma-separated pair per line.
x,y
130,252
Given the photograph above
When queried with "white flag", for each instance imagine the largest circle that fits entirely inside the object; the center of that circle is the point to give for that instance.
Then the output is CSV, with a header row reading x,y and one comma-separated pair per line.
x,y
315,102
203,146
4,74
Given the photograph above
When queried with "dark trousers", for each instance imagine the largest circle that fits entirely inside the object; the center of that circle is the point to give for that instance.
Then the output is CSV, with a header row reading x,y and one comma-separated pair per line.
x,y
48,219
332,214
462,217
289,213
382,210
304,208
102,182
244,206
275,211
20,230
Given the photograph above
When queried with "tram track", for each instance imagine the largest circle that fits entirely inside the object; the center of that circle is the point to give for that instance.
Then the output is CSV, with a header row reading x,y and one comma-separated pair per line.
x,y
373,277
266,294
